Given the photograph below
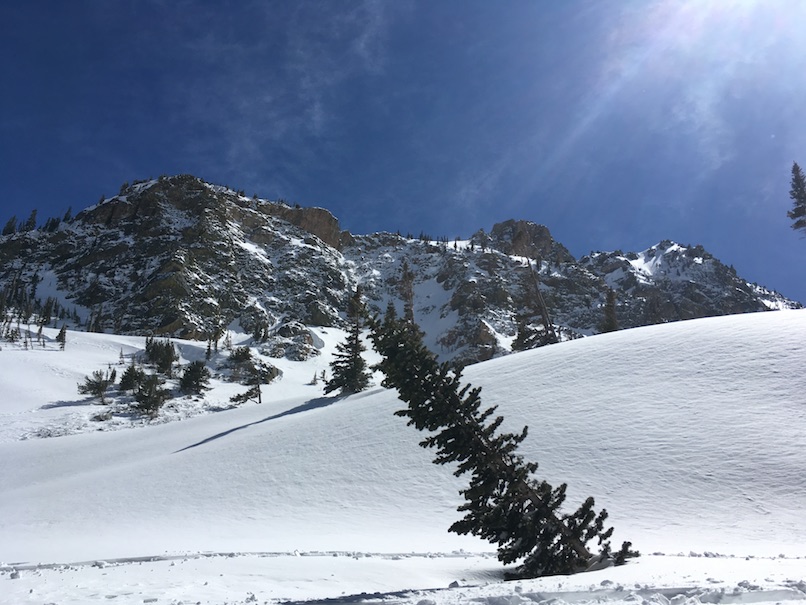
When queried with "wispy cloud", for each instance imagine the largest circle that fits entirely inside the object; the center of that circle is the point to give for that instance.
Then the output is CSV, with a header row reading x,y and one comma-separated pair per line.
x,y
476,185
265,99
327,45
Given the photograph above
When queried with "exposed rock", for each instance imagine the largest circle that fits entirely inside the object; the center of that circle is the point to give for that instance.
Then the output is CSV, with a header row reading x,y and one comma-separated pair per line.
x,y
524,238
294,329
180,257
317,221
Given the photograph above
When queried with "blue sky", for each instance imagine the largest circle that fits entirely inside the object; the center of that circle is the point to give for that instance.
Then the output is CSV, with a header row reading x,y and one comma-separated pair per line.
x,y
616,123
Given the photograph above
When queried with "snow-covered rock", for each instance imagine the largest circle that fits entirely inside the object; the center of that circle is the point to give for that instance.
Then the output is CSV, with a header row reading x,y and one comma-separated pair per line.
x,y
177,256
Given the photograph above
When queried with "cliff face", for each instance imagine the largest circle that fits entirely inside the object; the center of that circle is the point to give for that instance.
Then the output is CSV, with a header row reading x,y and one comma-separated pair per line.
x,y
178,256
317,221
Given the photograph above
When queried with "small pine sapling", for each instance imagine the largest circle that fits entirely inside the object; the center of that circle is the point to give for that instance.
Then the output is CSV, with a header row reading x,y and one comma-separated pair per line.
x,y
195,378
150,395
132,378
97,384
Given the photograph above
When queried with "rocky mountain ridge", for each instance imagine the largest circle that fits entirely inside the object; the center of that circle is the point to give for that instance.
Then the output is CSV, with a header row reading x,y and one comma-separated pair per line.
x,y
178,256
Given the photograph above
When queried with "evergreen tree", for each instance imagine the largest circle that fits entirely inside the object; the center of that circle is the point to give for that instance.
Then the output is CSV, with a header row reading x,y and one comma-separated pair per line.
x,y
407,291
52,224
195,378
609,321
356,307
349,370
240,355
97,384
252,393
11,226
798,195
30,224
504,503
162,354
61,337
132,377
150,395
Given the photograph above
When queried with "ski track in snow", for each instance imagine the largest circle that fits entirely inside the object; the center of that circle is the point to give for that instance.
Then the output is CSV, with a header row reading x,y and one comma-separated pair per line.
x,y
442,579
690,434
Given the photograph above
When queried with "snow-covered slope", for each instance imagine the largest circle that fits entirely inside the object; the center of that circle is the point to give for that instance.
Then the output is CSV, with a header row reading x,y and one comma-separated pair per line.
x,y
690,434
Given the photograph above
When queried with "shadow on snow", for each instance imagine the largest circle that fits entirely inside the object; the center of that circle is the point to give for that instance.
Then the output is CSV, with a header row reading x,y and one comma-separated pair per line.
x,y
75,403
313,404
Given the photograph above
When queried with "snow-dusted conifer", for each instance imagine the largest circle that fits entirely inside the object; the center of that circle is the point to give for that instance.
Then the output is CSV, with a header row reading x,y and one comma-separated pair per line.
x,y
11,226
151,395
162,354
132,377
349,370
30,223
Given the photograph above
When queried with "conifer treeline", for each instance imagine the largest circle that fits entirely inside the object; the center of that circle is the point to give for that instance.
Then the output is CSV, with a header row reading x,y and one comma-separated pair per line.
x,y
13,225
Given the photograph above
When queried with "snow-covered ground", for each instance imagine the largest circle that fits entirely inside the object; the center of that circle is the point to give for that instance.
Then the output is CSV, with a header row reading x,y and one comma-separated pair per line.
x,y
692,435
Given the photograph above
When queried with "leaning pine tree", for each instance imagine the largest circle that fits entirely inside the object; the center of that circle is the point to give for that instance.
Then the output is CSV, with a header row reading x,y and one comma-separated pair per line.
x,y
504,503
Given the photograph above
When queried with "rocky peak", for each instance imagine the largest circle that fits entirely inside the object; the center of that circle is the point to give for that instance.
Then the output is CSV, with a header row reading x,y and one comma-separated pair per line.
x,y
176,202
523,238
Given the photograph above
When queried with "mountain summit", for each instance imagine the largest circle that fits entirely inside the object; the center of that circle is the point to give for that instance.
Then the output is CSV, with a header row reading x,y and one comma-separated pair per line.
x,y
179,256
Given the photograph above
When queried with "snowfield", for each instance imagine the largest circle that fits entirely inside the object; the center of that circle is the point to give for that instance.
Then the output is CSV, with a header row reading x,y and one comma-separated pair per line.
x,y
692,435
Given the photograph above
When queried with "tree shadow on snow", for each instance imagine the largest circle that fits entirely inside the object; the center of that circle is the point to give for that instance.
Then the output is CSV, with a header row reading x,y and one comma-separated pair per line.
x,y
313,404
69,404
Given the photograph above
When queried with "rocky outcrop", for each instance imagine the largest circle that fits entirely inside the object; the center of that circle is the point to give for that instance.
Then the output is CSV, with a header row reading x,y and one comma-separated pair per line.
x,y
523,238
318,221
147,201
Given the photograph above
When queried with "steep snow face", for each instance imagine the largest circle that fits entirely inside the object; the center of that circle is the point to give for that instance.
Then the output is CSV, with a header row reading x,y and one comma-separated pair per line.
x,y
689,434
